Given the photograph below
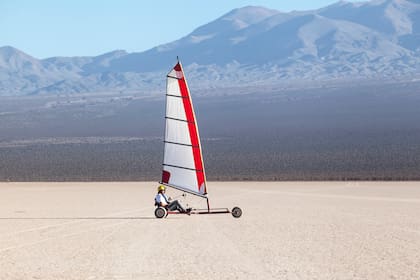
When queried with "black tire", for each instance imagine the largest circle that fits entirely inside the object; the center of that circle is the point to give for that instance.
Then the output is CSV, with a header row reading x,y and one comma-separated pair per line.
x,y
236,212
160,212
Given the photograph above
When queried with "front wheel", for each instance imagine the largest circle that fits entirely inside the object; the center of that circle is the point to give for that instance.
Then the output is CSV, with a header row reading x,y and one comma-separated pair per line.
x,y
160,212
236,212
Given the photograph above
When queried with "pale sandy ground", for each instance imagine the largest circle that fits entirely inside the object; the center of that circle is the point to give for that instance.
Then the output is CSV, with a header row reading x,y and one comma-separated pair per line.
x,y
290,230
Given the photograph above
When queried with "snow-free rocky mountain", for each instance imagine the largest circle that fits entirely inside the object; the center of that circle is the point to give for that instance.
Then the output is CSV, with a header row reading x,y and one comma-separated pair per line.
x,y
247,46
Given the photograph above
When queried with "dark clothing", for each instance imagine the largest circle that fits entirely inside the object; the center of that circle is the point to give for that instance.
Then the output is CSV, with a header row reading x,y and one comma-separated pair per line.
x,y
162,199
175,205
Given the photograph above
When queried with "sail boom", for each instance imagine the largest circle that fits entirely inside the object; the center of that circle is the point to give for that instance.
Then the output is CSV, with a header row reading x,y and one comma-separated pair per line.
x,y
204,195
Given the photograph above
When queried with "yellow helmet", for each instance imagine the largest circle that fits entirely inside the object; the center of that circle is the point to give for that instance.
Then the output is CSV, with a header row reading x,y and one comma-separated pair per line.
x,y
161,188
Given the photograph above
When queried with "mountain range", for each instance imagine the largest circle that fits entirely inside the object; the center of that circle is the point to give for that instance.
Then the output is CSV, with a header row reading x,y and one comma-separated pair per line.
x,y
249,46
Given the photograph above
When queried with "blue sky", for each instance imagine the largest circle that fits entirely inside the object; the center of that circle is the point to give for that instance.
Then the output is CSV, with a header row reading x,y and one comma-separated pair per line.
x,y
46,28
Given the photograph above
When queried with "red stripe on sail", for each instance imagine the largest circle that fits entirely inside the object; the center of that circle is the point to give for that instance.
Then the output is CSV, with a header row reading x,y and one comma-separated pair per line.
x,y
178,67
165,176
191,126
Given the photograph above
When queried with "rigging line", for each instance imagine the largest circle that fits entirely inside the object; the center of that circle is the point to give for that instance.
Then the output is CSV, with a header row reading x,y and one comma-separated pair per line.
x,y
184,195
182,144
182,167
181,120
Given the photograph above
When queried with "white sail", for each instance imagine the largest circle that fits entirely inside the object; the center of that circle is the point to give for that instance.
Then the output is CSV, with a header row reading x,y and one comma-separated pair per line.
x,y
183,166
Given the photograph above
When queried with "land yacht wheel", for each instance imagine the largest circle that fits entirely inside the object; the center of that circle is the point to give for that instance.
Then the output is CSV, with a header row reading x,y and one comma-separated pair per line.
x,y
160,212
236,212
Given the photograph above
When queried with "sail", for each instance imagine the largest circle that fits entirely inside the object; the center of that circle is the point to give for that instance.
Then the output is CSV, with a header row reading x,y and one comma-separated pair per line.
x,y
183,166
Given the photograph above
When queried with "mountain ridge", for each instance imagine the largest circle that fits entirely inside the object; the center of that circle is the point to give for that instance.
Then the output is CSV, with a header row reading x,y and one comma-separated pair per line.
x,y
247,46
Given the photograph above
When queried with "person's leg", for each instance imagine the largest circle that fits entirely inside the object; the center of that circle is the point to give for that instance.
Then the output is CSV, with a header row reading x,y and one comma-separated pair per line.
x,y
175,205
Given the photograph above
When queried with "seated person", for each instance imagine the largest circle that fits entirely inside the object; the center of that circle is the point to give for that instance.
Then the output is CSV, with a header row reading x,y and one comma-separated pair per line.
x,y
162,200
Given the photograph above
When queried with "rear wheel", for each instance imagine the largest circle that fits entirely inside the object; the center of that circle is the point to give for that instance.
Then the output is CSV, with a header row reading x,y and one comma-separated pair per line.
x,y
236,212
160,212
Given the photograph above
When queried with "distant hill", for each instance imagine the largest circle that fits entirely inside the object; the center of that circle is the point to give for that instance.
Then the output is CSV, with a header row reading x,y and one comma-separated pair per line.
x,y
378,39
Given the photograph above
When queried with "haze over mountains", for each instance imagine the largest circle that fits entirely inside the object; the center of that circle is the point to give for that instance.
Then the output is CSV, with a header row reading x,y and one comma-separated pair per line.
x,y
245,47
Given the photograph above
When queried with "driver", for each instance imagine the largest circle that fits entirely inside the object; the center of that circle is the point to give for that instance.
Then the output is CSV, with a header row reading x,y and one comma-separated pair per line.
x,y
161,199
